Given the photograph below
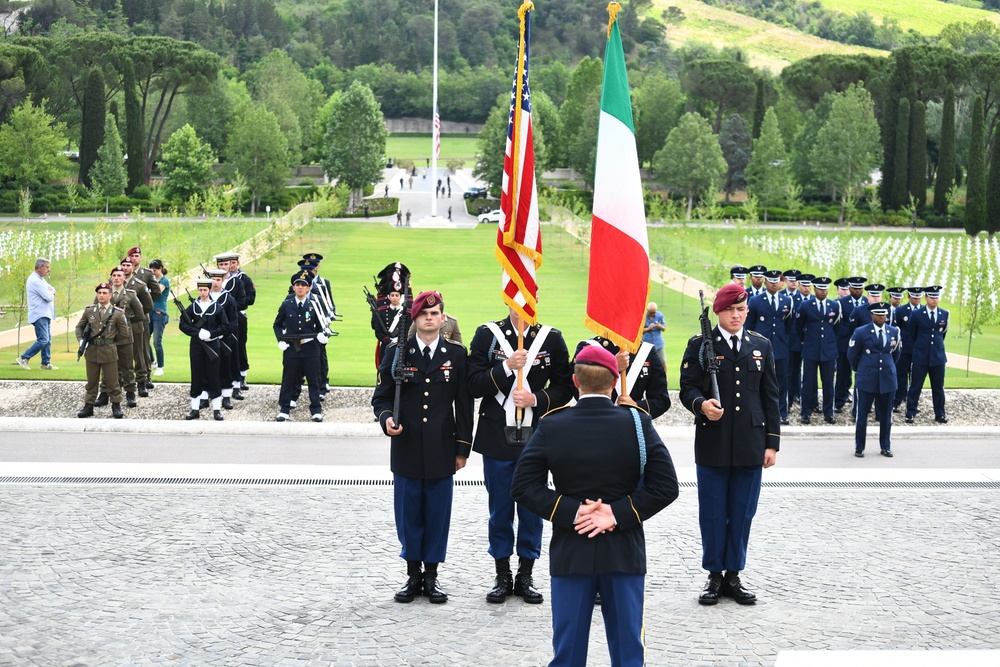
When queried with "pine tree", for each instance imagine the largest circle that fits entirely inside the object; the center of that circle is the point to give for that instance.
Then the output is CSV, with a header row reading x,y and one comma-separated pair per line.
x,y
108,173
918,154
901,163
133,130
975,194
768,172
92,125
758,109
993,193
946,155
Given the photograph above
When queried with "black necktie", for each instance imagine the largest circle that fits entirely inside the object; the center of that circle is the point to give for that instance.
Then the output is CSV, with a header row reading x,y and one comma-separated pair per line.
x,y
301,303
732,341
881,341
427,356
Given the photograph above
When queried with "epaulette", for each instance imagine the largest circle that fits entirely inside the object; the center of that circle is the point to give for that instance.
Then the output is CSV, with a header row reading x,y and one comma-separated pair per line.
x,y
119,309
453,342
695,337
561,407
758,335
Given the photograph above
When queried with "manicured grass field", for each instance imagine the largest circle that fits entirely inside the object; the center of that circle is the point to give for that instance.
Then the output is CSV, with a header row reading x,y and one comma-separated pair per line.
x,y
924,16
453,147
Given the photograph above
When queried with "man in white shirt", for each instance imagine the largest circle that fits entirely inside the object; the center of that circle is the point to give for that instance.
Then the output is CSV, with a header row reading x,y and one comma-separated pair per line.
x,y
41,312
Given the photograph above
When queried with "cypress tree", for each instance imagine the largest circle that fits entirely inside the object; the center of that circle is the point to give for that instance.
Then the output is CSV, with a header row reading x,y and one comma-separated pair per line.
x,y
975,193
918,154
901,85
901,163
92,125
134,129
946,155
758,109
993,193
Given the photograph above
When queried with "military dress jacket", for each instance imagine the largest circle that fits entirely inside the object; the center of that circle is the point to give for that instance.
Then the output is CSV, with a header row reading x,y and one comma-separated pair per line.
x,y
874,364
549,377
127,300
435,409
901,319
148,279
816,327
592,450
106,333
290,323
213,319
794,342
228,303
249,290
928,337
235,288
776,324
649,386
748,391
845,327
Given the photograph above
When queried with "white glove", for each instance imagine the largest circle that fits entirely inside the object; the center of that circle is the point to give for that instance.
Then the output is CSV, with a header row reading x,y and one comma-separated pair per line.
x,y
79,341
204,334
322,338
282,345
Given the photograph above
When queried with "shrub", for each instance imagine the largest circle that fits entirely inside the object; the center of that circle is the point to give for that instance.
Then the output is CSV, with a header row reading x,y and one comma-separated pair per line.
x,y
455,165
142,192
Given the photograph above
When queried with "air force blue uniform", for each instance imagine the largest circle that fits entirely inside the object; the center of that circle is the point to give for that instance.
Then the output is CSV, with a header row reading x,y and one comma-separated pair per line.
x,y
929,358
901,320
776,322
816,323
298,326
873,352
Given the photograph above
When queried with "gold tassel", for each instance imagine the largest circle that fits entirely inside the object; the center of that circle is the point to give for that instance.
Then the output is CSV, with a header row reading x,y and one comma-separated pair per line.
x,y
525,8
613,9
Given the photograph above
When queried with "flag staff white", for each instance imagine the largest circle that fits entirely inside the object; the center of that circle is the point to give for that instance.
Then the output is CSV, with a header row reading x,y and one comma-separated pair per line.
x,y
435,118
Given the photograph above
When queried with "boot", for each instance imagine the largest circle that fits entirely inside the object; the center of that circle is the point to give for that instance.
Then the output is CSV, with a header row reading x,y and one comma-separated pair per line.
x,y
732,587
227,403
116,410
431,589
203,404
143,393
710,594
243,385
523,584
414,585
102,400
130,399
238,395
149,385
217,414
194,414
504,584
87,411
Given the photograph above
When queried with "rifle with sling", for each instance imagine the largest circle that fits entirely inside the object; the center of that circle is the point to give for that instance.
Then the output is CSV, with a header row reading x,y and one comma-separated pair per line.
x,y
201,322
382,332
399,374
86,333
706,355
209,352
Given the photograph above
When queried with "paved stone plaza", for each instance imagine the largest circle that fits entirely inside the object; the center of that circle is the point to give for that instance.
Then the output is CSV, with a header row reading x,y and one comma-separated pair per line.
x,y
134,574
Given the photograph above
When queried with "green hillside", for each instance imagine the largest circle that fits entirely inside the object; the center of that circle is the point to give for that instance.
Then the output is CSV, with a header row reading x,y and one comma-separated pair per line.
x,y
924,16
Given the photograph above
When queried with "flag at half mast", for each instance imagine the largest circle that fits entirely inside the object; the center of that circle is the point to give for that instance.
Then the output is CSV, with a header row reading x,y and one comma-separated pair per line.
x,y
619,251
519,237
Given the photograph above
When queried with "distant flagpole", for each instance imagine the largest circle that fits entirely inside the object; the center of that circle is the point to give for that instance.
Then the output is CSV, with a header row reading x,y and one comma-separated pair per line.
x,y
618,287
436,133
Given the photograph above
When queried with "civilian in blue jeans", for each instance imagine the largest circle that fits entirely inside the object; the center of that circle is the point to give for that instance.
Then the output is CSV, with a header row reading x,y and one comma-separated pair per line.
x,y
41,312
652,331
159,317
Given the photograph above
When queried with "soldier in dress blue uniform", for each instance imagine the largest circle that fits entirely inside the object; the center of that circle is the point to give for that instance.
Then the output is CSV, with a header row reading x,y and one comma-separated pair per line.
x,y
815,320
861,316
735,438
843,289
756,285
603,495
430,443
738,274
494,361
803,291
206,323
873,351
791,280
928,328
854,298
772,314
299,335
644,375
901,320
229,362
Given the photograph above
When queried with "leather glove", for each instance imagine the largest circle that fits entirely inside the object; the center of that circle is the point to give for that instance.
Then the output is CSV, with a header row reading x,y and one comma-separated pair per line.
x,y
282,345
322,338
204,334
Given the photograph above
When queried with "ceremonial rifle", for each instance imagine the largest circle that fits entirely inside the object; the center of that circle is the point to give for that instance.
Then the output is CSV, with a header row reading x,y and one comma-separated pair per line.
x,y
706,355
212,354
382,332
399,375
200,322
86,333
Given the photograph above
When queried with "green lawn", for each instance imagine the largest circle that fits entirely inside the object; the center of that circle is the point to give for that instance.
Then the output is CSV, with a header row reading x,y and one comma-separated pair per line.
x,y
924,16
453,147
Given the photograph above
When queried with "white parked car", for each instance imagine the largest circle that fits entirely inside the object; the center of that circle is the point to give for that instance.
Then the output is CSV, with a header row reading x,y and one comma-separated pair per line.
x,y
494,216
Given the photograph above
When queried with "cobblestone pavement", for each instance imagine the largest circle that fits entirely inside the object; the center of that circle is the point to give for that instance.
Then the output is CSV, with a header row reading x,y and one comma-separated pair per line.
x,y
304,575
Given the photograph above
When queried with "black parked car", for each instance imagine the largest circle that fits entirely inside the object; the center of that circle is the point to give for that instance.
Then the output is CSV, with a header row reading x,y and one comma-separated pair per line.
x,y
475,193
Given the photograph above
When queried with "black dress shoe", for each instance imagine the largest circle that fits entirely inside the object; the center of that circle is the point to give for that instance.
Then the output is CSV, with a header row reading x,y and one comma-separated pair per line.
x,y
130,399
238,395
908,419
143,393
433,592
87,411
523,586
194,414
784,422
243,386
413,587
710,594
203,404
102,400
941,420
805,420
829,420
217,414
503,587
838,410
859,454
150,385
227,403
887,453
732,587
895,409
116,410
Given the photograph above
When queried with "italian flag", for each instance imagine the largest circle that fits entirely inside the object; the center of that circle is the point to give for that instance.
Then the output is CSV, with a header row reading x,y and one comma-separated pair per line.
x,y
619,251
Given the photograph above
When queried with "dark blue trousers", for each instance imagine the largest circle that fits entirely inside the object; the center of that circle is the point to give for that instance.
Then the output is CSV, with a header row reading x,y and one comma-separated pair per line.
x,y
621,606
781,370
919,374
422,508
297,364
903,378
809,391
794,376
727,503
498,475
883,410
842,389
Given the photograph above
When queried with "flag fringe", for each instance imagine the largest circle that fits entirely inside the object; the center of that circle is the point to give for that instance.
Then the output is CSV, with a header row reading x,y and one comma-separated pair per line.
x,y
613,9
599,329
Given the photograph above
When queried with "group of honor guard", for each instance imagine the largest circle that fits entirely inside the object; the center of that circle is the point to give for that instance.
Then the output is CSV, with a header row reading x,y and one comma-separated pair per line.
x,y
885,350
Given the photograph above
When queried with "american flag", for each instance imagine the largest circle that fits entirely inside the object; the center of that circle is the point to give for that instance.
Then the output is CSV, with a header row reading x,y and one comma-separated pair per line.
x,y
437,133
519,237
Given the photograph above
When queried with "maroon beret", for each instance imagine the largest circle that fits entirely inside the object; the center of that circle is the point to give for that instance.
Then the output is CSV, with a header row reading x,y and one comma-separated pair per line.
x,y
125,260
727,296
135,250
425,300
103,286
595,355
